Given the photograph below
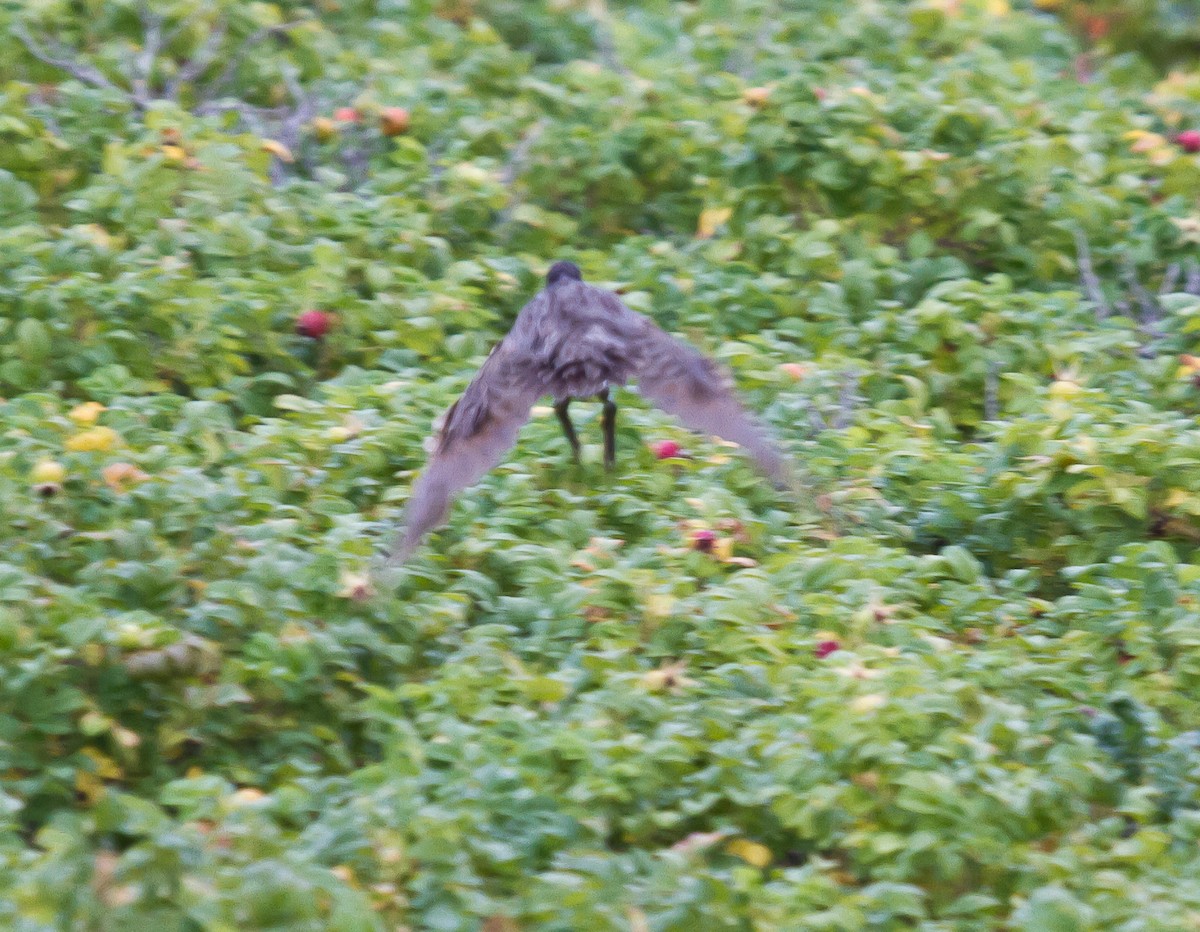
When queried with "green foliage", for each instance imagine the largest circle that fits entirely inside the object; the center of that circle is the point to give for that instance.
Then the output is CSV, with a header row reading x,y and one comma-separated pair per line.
x,y
950,260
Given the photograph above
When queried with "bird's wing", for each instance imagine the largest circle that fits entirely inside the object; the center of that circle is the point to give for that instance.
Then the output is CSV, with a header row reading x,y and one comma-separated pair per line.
x,y
476,432
684,382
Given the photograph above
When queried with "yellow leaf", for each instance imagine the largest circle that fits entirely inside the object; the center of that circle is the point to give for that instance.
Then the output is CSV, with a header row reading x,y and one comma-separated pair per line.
x,y
997,7
711,219
751,852
638,922
868,703
105,767
1175,498
90,786
247,796
98,439
278,149
48,472
86,413
660,605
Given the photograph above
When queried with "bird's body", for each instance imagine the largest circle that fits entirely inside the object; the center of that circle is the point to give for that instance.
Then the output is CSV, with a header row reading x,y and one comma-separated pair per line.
x,y
573,340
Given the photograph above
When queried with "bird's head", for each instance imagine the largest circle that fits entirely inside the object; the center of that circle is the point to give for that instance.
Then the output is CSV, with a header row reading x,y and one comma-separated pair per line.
x,y
563,271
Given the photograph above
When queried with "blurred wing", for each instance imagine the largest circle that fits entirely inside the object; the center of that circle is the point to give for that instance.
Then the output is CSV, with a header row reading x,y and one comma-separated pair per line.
x,y
689,385
476,432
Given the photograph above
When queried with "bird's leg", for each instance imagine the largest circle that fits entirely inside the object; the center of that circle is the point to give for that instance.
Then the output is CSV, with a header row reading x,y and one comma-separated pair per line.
x,y
560,408
609,422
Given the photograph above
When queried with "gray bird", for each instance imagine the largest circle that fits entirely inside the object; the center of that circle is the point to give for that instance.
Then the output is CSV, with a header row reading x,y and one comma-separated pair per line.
x,y
573,340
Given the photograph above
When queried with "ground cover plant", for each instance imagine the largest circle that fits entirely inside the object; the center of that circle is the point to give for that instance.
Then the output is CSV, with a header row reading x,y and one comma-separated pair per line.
x,y
948,248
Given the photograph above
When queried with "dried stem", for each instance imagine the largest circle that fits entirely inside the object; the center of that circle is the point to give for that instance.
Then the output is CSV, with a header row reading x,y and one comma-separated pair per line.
x,y
52,52
847,399
204,58
143,61
1088,277
991,391
1192,283
1170,279
235,60
603,37
1147,305
514,166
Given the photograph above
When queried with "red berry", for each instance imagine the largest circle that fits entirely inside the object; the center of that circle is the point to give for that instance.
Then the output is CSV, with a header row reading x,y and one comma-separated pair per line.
x,y
345,115
825,648
703,541
666,449
314,324
1189,140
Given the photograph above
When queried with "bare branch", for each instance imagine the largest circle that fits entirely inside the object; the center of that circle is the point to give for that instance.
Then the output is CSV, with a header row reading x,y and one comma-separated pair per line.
x,y
39,97
292,125
847,399
1169,280
245,110
769,24
1088,277
514,166
200,62
64,59
235,60
602,36
520,153
1147,305
143,61
1192,284
991,391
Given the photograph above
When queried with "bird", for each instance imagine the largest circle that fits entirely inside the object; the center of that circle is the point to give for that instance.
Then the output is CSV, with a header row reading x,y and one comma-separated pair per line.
x,y
574,340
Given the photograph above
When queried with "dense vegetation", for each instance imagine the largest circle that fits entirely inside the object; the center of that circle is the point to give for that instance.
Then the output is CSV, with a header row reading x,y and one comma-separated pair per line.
x,y
947,247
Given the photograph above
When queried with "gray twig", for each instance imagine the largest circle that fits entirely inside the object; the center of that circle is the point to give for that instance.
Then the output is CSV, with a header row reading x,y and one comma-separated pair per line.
x,y
603,38
991,391
200,62
51,52
749,53
1169,280
1147,305
143,61
514,166
1088,277
848,399
38,97
235,60
1192,283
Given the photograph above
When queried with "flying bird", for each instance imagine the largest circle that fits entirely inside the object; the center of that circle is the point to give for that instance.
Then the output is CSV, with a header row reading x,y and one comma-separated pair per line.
x,y
574,340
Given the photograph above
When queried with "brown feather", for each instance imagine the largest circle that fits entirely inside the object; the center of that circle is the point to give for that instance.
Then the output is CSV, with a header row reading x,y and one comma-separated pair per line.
x,y
683,382
573,340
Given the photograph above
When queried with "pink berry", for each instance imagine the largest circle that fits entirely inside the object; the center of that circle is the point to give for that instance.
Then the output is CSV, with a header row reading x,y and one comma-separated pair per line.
x,y
314,324
666,449
1189,140
825,648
